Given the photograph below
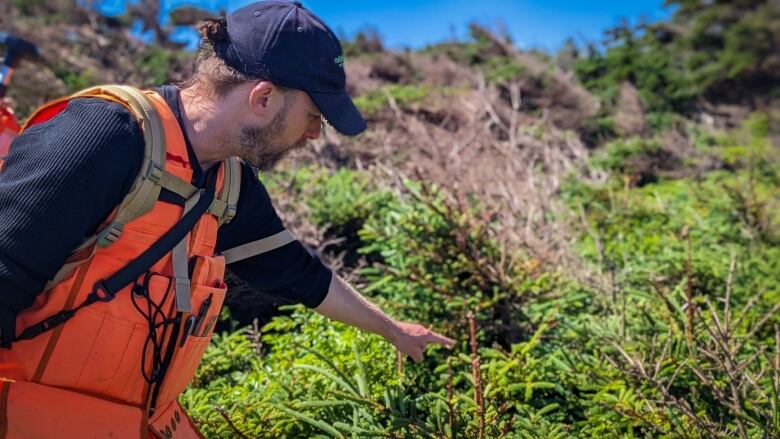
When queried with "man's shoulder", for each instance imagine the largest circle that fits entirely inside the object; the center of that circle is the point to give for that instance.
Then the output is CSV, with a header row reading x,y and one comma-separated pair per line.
x,y
103,110
95,115
86,130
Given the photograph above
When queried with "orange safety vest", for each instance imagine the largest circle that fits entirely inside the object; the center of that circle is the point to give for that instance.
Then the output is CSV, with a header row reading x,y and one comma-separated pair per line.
x,y
89,377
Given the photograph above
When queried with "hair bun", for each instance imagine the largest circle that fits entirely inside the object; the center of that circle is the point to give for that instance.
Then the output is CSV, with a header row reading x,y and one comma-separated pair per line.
x,y
213,30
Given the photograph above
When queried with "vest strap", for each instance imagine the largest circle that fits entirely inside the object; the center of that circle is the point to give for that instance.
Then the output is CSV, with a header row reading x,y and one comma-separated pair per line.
x,y
255,248
181,274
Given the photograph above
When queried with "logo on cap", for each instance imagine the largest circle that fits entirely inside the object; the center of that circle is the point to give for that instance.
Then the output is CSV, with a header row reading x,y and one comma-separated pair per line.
x,y
339,60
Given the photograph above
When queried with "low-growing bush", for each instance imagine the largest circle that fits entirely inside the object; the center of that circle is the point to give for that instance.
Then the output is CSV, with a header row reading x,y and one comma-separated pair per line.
x,y
675,335
401,95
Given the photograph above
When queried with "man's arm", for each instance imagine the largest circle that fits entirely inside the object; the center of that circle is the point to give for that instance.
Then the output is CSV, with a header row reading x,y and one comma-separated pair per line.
x,y
292,273
62,178
346,305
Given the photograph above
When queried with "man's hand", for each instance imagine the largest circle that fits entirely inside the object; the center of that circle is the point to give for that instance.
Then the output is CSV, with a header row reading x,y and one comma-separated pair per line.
x,y
412,339
344,304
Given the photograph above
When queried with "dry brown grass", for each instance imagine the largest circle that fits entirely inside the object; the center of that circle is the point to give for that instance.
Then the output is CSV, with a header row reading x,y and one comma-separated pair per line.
x,y
473,137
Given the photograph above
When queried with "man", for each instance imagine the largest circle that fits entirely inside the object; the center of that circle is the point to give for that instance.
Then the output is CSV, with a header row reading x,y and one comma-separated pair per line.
x,y
269,73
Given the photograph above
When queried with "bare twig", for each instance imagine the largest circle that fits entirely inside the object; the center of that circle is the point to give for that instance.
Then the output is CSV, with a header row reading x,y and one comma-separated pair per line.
x,y
450,399
479,397
729,284
230,423
689,288
399,364
772,312
776,380
748,306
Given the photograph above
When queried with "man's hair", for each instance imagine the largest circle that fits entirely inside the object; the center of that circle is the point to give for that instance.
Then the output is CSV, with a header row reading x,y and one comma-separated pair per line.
x,y
211,71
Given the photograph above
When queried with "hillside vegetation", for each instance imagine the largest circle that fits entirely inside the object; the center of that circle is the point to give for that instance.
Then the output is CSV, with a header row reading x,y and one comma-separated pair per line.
x,y
599,228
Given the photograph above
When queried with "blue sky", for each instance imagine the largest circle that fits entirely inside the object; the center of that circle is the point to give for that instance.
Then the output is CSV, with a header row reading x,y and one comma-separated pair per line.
x,y
408,23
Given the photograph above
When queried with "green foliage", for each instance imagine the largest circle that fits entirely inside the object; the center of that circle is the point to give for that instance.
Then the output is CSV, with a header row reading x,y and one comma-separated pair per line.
x,y
751,147
676,334
729,40
618,155
638,57
403,95
708,50
692,272
365,43
309,372
154,64
435,251
48,11
74,80
502,69
343,199
598,128
556,359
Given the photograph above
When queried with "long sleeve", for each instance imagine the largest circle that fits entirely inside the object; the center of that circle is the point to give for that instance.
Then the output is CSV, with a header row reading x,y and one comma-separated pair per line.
x,y
290,272
61,179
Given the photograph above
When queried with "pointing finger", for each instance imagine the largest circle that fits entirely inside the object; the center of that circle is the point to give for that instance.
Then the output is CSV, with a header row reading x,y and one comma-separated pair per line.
x,y
434,337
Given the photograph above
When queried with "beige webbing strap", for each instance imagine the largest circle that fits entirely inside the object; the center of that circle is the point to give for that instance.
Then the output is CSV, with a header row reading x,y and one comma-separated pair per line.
x,y
146,188
147,185
181,280
144,192
177,185
234,188
260,246
225,204
181,275
68,267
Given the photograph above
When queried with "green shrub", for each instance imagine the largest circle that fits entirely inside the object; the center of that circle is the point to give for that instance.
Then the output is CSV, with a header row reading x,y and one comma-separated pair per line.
x,y
679,338
74,80
404,95
617,154
502,69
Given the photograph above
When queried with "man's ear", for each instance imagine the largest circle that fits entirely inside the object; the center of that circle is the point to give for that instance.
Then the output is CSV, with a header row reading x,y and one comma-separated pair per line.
x,y
260,97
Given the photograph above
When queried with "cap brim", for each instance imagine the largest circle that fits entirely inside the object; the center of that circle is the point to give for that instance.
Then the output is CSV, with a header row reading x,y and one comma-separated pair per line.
x,y
340,112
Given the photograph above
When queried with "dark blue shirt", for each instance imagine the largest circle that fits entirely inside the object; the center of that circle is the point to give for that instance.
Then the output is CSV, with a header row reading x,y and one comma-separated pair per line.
x,y
63,178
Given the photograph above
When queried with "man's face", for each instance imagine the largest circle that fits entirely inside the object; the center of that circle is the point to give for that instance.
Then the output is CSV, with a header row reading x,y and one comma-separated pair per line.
x,y
297,121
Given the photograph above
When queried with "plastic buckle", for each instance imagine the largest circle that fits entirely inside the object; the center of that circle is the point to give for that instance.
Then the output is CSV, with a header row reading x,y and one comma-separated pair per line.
x,y
110,234
230,212
154,172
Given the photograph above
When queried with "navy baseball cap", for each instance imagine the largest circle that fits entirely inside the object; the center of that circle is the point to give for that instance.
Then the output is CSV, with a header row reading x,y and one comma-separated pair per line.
x,y
284,42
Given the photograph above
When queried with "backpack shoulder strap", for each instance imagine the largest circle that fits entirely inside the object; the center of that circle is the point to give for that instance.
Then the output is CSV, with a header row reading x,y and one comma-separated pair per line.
x,y
151,178
146,188
224,205
147,185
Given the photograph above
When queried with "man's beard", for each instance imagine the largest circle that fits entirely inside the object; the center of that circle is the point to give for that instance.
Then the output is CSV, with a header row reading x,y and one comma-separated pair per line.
x,y
260,147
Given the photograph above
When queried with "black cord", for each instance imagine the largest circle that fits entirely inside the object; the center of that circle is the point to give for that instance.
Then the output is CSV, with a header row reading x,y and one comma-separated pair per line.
x,y
156,320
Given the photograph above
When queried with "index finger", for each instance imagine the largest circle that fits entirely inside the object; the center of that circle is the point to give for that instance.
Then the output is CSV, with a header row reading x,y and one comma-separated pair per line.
x,y
434,337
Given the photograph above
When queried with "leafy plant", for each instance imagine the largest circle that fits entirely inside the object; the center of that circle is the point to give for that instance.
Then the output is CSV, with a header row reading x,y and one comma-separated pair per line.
x,y
399,95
